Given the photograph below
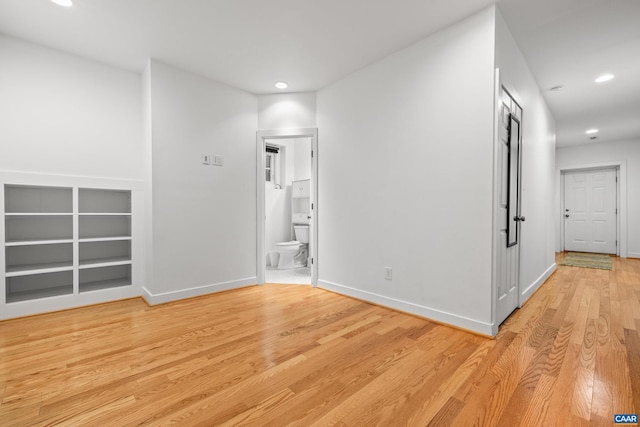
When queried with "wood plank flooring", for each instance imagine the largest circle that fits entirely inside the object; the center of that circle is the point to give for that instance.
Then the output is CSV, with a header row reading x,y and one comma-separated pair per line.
x,y
292,355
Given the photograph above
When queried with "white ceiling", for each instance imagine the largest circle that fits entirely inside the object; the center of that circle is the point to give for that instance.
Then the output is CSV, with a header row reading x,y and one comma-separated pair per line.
x,y
570,43
251,44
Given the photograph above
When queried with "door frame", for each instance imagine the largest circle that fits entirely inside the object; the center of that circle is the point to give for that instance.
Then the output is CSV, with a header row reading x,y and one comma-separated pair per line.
x,y
621,200
261,253
496,243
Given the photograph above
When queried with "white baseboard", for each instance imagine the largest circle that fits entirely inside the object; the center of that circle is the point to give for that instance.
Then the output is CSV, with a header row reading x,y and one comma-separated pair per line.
x,y
526,294
633,254
154,299
408,307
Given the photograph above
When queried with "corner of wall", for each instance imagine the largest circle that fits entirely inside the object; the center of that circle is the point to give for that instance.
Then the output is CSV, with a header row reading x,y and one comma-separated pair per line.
x,y
147,117
166,297
439,316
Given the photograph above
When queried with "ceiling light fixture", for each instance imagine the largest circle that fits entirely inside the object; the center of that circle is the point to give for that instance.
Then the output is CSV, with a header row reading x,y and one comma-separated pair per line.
x,y
63,3
281,85
604,78
556,88
591,131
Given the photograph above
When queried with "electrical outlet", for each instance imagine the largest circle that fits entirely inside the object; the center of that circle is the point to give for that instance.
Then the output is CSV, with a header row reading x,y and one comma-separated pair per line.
x,y
388,273
206,159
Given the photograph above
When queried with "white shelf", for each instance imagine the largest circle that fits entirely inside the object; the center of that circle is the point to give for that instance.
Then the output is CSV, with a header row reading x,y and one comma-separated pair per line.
x,y
104,284
104,262
104,239
39,293
38,214
43,268
37,242
105,214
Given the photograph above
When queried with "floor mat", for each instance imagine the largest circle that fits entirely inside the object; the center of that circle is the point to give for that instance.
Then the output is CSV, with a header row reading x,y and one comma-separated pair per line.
x,y
587,260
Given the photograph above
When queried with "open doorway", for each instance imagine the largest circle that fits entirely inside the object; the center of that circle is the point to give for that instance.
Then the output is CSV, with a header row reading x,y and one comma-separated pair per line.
x,y
287,206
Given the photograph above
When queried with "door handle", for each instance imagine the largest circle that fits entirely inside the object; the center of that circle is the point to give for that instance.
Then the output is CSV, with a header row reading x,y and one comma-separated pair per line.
x,y
566,215
519,218
308,216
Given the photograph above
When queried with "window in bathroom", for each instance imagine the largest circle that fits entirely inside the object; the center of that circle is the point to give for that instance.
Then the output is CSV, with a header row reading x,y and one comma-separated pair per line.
x,y
272,165
269,167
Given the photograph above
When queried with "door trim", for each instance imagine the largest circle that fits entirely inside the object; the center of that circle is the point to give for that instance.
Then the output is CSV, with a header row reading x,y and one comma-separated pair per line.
x,y
261,254
494,202
621,189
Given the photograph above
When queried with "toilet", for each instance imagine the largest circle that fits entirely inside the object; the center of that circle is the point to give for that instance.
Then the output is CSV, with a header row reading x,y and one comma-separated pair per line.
x,y
292,254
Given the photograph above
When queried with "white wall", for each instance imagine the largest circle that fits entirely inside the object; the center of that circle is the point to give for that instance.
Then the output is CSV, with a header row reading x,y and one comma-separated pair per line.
x,y
62,114
602,152
287,111
204,232
537,255
406,172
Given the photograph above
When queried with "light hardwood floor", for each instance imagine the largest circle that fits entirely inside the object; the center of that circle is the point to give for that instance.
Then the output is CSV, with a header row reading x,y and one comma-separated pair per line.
x,y
286,354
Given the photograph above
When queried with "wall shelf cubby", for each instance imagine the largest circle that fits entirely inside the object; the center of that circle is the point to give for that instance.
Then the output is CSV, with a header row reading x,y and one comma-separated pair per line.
x,y
36,286
104,226
105,252
99,201
29,259
92,279
31,199
29,228
65,241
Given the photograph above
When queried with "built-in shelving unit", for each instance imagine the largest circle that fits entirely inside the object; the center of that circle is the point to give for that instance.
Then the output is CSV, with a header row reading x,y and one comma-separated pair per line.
x,y
38,224
104,229
64,242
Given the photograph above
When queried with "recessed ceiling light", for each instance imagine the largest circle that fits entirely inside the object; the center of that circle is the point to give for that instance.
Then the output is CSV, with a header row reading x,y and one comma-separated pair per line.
x,y
604,78
591,131
63,3
281,85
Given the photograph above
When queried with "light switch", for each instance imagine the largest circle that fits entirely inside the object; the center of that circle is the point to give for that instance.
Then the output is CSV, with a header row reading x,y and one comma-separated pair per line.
x,y
218,160
206,159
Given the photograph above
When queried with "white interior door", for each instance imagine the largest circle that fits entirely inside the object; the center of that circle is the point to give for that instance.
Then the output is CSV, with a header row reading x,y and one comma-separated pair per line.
x,y
508,205
590,201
